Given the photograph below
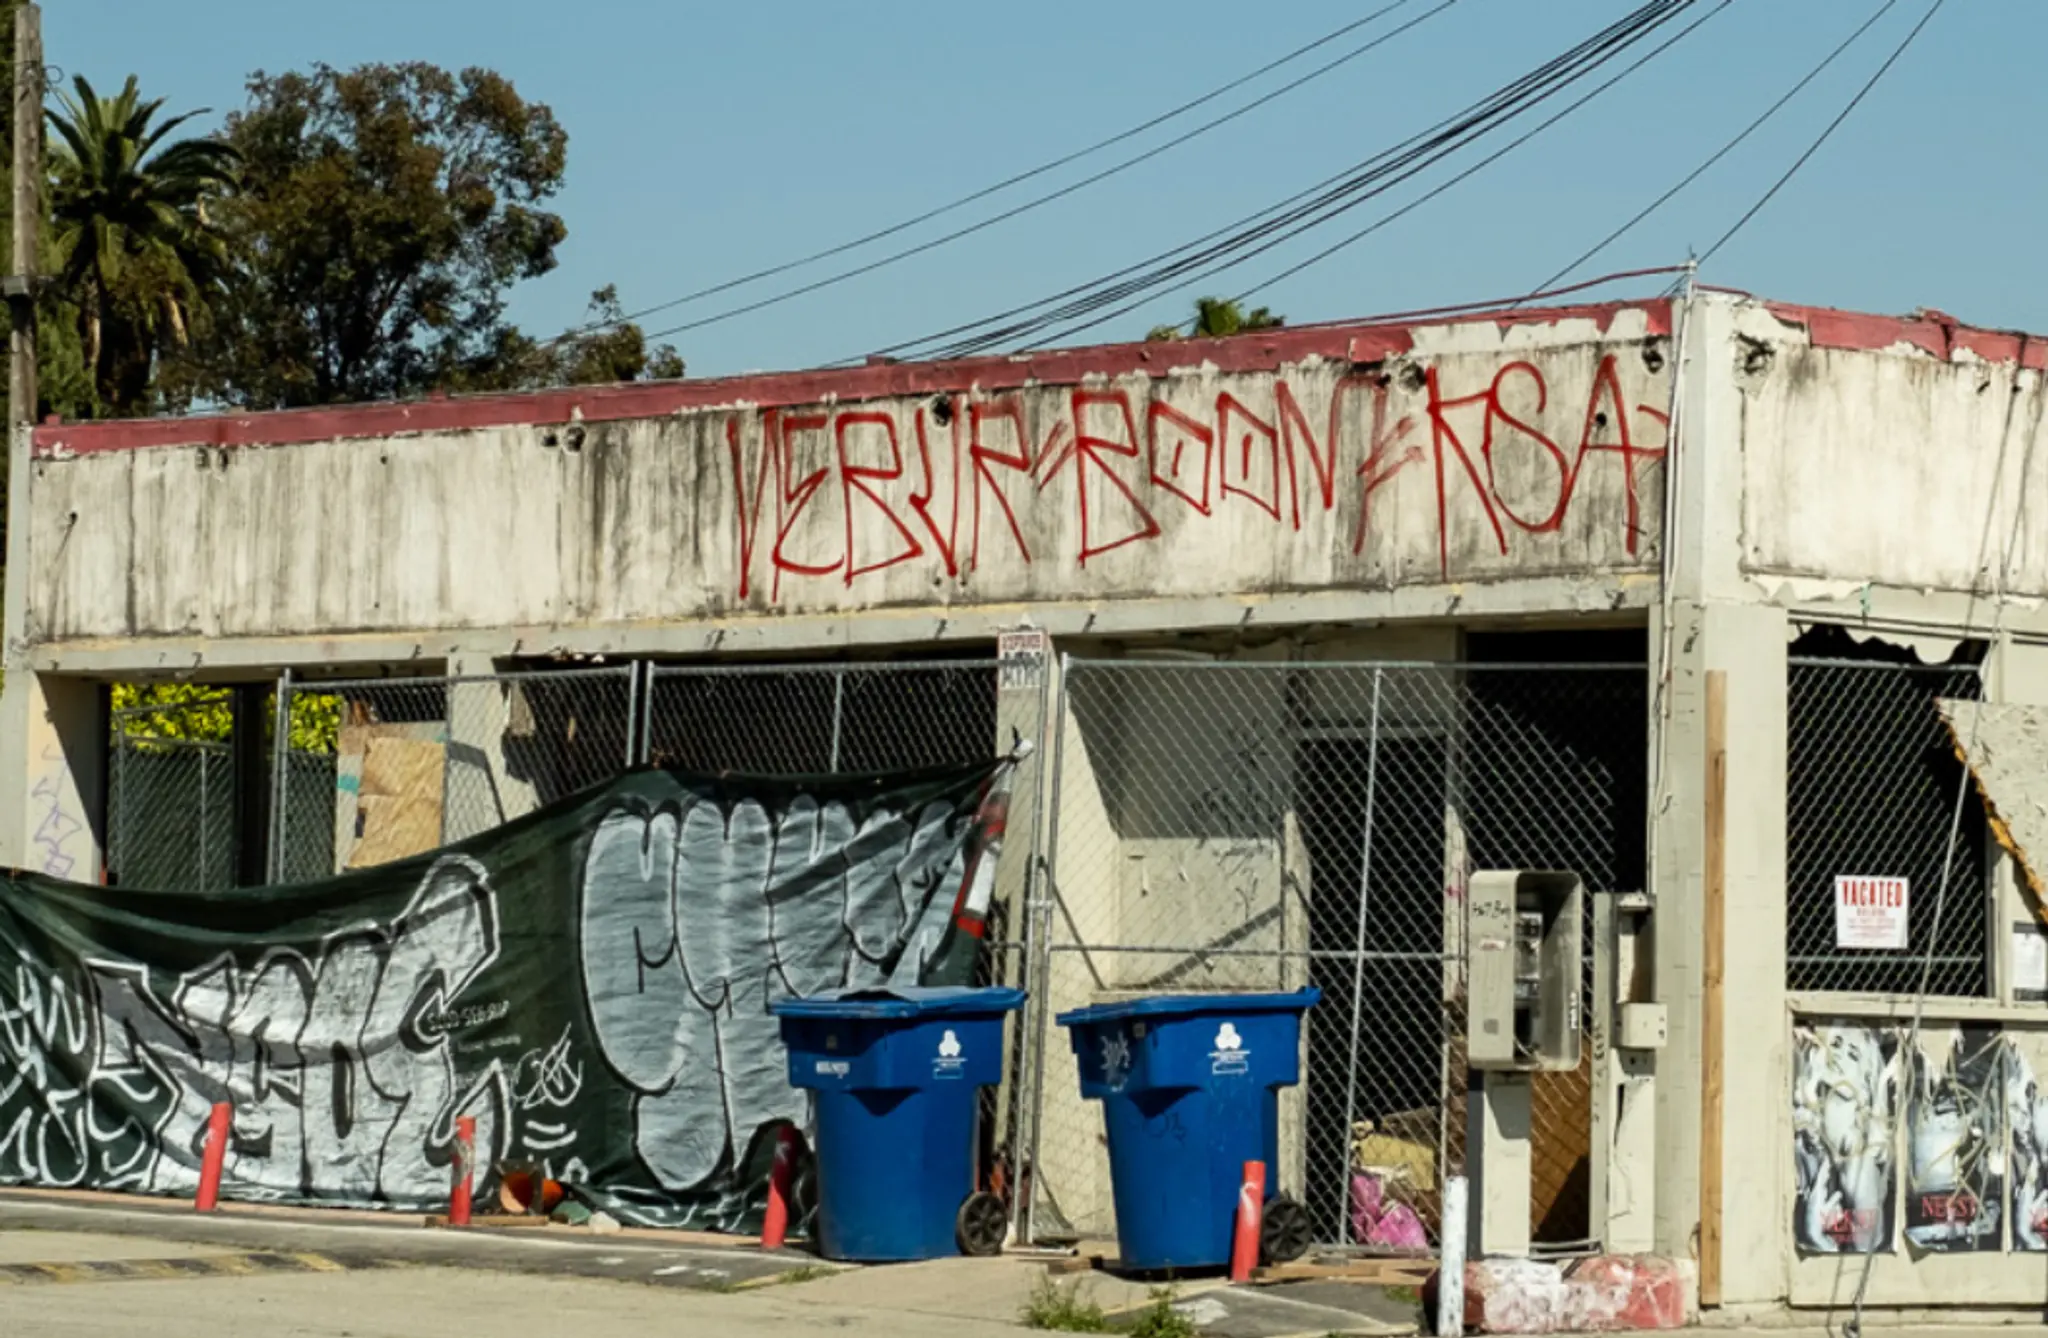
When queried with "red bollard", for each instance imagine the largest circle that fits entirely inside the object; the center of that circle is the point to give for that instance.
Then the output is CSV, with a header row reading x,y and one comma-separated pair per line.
x,y
465,1159
214,1157
1251,1212
775,1221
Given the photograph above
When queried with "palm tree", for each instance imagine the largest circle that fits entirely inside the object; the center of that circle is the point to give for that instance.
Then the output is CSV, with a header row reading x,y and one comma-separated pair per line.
x,y
1219,316
132,247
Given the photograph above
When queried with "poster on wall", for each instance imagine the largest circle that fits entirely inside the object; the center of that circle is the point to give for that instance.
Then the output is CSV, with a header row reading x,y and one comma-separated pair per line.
x,y
1955,1140
1845,1090
2025,1055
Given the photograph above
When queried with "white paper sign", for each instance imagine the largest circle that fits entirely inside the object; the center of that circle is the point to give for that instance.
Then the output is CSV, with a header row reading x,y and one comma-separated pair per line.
x,y
2029,962
1871,913
1020,658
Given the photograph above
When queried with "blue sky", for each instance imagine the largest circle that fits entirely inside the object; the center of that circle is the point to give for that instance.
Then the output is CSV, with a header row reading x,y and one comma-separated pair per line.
x,y
707,140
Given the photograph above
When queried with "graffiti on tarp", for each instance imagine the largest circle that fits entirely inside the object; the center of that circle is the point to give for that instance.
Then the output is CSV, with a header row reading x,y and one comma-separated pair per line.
x,y
339,1087
695,918
590,984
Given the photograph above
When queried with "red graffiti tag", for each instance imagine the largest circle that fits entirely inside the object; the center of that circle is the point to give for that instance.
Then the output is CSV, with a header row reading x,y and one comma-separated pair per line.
x,y
1497,443
1090,450
860,480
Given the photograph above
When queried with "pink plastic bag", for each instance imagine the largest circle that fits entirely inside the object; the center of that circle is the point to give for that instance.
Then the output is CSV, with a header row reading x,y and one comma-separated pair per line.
x,y
1378,1220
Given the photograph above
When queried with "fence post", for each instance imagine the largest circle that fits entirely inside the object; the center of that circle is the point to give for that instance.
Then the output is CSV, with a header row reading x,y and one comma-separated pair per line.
x,y
280,764
1372,767
636,739
838,714
1038,948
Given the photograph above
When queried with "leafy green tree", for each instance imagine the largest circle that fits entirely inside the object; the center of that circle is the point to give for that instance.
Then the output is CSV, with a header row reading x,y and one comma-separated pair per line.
x,y
1219,316
204,713
132,249
385,212
610,348
605,349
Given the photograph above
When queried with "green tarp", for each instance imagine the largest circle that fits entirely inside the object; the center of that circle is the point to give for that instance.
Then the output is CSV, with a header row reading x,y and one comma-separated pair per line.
x,y
589,983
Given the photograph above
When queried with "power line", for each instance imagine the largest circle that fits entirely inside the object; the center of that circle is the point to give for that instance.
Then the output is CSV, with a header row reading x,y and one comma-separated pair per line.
x,y
1491,158
1326,199
1814,147
1036,202
1078,328
1007,182
1697,172
1426,146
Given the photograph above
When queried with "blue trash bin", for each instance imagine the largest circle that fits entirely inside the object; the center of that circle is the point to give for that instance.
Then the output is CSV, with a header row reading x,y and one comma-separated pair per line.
x,y
1189,1086
897,1074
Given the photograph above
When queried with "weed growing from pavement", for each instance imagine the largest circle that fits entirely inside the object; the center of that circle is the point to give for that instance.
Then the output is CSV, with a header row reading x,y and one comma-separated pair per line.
x,y
1062,1309
806,1273
1161,1320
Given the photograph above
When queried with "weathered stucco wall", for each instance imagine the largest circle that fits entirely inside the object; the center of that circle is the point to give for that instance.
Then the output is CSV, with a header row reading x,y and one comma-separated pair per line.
x,y
1462,452
1877,452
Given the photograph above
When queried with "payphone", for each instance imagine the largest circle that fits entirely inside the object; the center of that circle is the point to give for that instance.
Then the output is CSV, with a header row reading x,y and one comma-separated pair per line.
x,y
1524,970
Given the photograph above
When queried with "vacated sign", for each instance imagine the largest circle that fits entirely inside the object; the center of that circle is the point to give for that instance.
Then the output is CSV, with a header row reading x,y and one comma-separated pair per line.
x,y
1870,913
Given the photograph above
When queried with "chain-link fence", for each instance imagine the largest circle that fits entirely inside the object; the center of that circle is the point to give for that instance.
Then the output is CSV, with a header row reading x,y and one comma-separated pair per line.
x,y
1871,784
380,769
171,794
812,720
1242,826
822,719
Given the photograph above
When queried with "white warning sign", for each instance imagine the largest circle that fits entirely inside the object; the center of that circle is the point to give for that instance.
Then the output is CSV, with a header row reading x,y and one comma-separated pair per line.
x,y
1870,913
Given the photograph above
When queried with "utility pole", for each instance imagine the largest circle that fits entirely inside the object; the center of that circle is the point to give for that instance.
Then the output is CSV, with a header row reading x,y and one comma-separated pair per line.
x,y
28,217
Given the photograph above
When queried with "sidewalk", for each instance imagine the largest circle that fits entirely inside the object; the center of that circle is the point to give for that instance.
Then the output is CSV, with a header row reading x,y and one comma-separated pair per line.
x,y
157,1259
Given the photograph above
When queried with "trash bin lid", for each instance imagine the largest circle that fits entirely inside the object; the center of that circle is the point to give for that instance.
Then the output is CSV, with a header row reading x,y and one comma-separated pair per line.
x,y
909,1001
1191,1005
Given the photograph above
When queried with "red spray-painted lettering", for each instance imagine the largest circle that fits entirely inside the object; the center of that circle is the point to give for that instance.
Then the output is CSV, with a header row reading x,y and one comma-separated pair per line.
x,y
1498,447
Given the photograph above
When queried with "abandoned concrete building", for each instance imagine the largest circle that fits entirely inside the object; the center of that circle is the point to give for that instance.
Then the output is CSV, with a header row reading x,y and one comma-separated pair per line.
x,y
1686,596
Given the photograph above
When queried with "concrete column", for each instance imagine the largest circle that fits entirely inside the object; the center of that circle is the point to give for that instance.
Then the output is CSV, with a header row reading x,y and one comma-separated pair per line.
x,y
2019,674
478,792
1748,644
1712,619
53,752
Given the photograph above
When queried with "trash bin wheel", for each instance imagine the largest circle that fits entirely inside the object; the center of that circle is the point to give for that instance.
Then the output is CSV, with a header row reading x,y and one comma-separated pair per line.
x,y
982,1223
1284,1233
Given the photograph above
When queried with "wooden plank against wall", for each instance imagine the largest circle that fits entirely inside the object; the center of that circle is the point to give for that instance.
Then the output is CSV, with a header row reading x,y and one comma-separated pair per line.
x,y
1714,897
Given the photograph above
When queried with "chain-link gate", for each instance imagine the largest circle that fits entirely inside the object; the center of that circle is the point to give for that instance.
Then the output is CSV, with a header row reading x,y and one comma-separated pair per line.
x,y
379,769
1871,784
1244,826
827,719
172,793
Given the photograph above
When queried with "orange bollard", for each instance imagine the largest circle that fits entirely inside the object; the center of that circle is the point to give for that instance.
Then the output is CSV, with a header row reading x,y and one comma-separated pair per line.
x,y
214,1157
1251,1212
465,1160
775,1221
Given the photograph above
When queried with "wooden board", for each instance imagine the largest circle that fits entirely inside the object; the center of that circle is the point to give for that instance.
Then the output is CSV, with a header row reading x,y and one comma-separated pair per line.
x,y
1713,972
1370,1272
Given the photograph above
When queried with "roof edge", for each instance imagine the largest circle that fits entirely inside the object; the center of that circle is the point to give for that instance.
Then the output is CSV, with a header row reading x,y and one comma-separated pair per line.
x,y
1371,340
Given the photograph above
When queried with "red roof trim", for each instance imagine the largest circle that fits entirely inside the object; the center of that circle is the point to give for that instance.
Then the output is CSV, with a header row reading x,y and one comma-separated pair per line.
x,y
1935,333
1362,342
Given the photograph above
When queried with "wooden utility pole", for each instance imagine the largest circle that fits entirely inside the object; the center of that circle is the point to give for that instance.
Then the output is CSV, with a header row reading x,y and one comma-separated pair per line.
x,y
28,217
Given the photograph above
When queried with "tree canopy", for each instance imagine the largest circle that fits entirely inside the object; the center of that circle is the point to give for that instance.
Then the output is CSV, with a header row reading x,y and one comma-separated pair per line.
x,y
131,246
1219,316
348,235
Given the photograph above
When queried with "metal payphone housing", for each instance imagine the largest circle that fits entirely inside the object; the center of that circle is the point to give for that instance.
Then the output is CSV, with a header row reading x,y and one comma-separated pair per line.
x,y
1524,970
